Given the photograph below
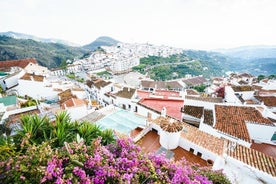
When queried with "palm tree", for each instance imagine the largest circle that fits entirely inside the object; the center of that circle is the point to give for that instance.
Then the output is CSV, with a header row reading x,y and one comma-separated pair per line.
x,y
108,137
89,131
63,130
34,129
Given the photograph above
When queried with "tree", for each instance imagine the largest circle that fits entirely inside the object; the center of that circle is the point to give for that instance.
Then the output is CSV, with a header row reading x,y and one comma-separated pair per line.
x,y
260,77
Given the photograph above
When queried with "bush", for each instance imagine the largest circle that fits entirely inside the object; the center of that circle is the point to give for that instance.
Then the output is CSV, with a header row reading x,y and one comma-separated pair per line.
x,y
121,162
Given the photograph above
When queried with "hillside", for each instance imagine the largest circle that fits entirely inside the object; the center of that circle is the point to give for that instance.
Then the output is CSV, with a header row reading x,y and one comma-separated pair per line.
x,y
35,38
47,54
192,62
101,41
253,59
250,52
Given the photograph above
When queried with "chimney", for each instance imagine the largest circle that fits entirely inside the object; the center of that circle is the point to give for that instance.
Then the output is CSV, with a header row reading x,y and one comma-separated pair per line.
x,y
164,112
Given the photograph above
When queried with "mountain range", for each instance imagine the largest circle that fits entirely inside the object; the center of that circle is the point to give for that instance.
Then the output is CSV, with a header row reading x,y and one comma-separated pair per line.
x,y
48,52
250,52
52,52
35,38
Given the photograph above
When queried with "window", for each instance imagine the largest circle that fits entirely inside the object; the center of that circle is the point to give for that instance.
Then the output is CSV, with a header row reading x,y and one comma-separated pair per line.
x,y
199,154
192,150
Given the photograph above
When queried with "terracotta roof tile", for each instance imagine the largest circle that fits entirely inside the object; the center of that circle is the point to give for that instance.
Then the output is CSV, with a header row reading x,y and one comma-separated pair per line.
x,y
242,88
192,92
207,141
253,158
101,83
65,95
232,120
269,101
16,117
168,124
194,81
73,102
208,117
126,93
27,76
22,63
193,110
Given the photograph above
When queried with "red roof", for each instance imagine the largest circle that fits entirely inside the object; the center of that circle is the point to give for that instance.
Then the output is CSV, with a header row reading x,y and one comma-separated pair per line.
x,y
73,102
22,63
173,106
143,94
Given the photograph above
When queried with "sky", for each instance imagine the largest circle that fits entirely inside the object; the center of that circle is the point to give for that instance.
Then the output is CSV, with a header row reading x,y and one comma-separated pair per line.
x,y
188,24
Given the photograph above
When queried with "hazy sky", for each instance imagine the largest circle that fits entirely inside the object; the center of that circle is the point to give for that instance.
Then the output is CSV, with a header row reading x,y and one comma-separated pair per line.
x,y
193,24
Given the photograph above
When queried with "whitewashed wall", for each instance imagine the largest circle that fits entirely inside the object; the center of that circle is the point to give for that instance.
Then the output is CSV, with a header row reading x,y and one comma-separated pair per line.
x,y
206,154
34,89
262,133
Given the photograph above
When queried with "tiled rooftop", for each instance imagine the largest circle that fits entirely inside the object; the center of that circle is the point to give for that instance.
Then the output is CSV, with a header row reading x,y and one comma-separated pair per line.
x,y
22,63
168,124
193,110
208,117
100,83
253,158
269,101
194,81
73,102
192,92
28,76
232,120
65,95
126,93
16,117
203,139
242,88
173,106
205,99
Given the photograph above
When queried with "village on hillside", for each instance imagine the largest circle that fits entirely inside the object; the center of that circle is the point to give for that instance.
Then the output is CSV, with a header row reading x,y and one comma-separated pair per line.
x,y
231,125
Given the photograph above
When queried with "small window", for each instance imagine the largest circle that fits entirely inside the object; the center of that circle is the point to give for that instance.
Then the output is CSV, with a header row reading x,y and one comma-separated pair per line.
x,y
192,150
129,106
199,154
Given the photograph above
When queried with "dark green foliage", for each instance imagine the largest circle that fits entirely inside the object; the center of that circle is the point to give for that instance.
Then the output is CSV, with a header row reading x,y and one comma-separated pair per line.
x,y
260,77
200,88
36,130
217,177
50,55
179,65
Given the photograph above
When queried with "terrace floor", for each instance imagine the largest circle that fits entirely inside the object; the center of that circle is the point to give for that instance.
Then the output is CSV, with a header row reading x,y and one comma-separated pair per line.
x,y
150,143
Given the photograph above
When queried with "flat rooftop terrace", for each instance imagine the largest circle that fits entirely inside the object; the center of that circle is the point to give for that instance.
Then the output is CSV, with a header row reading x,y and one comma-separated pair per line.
x,y
150,143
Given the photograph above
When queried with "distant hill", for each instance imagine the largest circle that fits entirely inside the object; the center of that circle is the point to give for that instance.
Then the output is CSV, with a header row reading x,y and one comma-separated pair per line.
x,y
35,38
253,59
101,41
250,52
47,54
